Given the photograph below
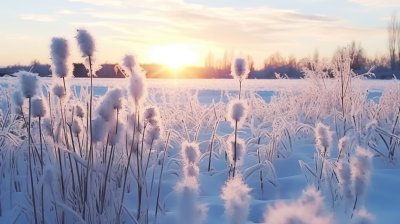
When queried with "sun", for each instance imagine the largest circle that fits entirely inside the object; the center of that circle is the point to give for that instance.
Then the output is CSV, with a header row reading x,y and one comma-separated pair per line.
x,y
174,56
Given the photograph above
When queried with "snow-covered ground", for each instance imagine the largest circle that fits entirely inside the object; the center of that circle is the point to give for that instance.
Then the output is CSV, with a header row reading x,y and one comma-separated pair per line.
x,y
282,154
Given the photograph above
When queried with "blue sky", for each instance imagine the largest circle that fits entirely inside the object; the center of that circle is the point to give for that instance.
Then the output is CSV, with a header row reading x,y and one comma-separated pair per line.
x,y
255,27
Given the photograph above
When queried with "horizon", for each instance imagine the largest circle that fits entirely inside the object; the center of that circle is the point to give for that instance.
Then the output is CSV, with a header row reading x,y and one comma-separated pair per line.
x,y
177,32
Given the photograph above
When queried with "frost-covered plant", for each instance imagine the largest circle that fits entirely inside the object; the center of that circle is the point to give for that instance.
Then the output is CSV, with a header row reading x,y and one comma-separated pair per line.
x,y
85,42
59,91
309,208
361,169
59,54
190,152
137,86
323,138
29,86
237,113
38,108
343,172
240,68
129,61
236,151
29,83
236,197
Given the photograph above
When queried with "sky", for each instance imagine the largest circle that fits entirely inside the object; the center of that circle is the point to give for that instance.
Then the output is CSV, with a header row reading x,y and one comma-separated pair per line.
x,y
152,29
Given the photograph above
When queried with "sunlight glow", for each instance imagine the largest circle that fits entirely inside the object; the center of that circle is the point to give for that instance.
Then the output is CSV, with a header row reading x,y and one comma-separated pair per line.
x,y
174,56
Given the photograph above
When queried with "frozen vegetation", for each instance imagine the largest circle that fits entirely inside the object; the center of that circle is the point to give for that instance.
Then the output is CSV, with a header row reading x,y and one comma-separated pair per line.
x,y
321,150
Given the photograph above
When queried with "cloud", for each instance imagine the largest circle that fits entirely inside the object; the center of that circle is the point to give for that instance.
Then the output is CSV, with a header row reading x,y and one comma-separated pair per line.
x,y
255,30
377,3
38,18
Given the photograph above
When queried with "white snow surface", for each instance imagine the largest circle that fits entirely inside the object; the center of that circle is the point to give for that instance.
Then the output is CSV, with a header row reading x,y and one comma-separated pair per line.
x,y
199,103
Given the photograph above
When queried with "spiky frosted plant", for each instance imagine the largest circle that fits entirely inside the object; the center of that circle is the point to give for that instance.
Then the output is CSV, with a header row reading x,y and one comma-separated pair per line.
x,y
307,209
189,211
18,101
361,169
190,152
237,112
59,55
236,197
362,216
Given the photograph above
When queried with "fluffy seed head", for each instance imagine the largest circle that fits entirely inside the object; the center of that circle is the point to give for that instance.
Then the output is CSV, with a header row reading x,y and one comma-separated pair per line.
x,y
361,165
154,132
29,83
191,170
190,152
344,176
111,101
99,129
323,138
151,115
79,111
76,127
240,150
239,68
18,99
59,54
38,107
344,145
59,91
237,111
130,63
236,197
115,133
85,42
137,87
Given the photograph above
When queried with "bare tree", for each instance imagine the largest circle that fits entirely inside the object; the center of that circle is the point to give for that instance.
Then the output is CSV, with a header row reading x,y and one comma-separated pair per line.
x,y
393,31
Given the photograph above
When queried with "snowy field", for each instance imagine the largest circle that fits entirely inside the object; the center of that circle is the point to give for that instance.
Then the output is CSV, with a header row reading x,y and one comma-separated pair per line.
x,y
316,150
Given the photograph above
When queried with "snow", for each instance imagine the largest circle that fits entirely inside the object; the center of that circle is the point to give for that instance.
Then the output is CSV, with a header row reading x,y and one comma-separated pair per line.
x,y
282,133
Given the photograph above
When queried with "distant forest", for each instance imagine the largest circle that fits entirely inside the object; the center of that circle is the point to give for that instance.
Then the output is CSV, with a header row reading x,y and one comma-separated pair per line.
x,y
384,67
